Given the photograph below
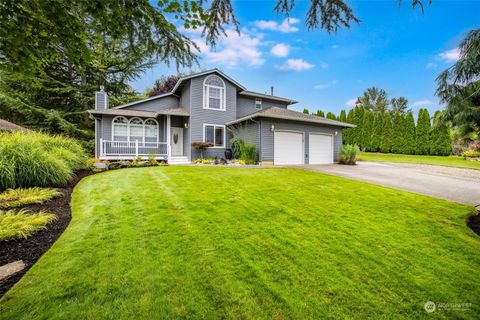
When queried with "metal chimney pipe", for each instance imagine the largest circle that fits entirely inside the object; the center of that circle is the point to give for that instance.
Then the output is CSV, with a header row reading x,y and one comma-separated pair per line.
x,y
271,90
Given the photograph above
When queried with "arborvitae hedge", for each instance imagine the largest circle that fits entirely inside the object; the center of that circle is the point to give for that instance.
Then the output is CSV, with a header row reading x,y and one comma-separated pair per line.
x,y
440,137
380,132
422,132
409,135
331,115
377,131
367,129
387,134
343,116
398,134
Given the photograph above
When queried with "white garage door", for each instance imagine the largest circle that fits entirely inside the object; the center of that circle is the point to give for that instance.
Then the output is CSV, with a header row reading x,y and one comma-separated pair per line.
x,y
320,148
287,147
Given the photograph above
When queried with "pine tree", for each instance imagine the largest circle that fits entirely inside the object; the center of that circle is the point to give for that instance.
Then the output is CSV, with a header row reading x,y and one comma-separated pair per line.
x,y
409,134
343,116
347,133
377,132
398,133
422,132
305,110
441,143
367,129
320,113
387,134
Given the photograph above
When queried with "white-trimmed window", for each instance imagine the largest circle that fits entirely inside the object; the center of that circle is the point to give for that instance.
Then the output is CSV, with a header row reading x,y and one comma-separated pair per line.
x,y
151,130
214,93
214,134
258,103
120,129
136,129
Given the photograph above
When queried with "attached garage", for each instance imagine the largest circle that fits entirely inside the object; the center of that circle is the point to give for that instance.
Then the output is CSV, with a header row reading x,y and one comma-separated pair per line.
x,y
320,148
288,148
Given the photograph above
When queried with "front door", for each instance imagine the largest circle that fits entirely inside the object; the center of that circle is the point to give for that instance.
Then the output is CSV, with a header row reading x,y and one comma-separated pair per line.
x,y
177,141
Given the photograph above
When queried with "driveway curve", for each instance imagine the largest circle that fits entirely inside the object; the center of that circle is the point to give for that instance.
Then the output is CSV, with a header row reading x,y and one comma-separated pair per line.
x,y
455,184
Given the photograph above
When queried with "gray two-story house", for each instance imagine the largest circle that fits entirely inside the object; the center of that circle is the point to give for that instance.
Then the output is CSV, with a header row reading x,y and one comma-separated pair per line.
x,y
211,107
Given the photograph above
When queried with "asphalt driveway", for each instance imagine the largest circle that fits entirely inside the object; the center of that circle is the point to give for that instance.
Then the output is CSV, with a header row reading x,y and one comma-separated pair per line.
x,y
460,185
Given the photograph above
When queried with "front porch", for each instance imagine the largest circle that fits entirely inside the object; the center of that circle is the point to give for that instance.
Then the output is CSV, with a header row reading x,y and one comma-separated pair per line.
x,y
126,137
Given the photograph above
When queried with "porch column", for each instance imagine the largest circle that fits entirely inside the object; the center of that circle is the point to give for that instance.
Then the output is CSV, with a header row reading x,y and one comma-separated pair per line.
x,y
168,136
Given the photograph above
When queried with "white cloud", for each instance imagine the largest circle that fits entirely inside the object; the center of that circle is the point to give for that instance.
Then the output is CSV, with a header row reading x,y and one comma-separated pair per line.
x,y
422,103
351,102
234,49
280,50
450,55
431,65
295,64
286,26
325,85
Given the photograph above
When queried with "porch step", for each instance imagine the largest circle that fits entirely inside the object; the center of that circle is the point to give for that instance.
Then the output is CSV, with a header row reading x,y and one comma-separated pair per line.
x,y
178,160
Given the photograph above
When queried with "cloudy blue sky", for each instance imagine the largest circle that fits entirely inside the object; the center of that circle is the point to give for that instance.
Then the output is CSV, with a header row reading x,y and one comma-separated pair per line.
x,y
396,48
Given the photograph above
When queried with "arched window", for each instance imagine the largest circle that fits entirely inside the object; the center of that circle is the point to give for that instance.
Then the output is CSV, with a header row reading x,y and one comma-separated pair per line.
x,y
151,130
214,93
120,129
136,129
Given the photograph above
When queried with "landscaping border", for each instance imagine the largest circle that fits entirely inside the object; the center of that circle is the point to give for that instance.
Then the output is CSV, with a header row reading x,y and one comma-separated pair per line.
x,y
31,249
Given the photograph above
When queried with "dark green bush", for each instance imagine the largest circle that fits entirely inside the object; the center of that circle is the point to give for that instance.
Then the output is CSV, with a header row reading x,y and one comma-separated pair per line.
x,y
248,153
31,159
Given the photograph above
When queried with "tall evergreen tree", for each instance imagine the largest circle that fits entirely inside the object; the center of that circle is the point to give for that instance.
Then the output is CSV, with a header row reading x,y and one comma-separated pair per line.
x,y
377,132
320,113
331,115
347,133
398,133
374,99
343,116
387,134
441,143
409,135
422,132
358,114
367,129
305,110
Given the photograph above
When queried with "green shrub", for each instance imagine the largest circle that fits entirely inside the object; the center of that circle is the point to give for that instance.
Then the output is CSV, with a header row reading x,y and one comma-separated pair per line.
x,y
13,198
22,224
236,144
32,159
471,154
248,153
349,154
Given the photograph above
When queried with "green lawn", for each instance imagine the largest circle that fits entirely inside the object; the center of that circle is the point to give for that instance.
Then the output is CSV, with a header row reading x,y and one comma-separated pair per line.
x,y
450,161
212,242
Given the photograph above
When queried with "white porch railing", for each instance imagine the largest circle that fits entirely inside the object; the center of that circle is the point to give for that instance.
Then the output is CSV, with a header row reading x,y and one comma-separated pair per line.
x,y
132,149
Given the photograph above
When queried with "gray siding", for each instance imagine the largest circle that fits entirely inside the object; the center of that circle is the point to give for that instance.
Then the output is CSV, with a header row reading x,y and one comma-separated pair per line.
x,y
185,103
266,136
246,105
157,104
200,116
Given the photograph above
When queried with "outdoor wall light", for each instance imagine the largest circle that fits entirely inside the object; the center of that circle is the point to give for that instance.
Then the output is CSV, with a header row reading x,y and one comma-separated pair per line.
x,y
336,132
185,125
272,127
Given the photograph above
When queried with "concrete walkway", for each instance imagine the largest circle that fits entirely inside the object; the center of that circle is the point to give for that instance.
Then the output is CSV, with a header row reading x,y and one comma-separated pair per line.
x,y
460,185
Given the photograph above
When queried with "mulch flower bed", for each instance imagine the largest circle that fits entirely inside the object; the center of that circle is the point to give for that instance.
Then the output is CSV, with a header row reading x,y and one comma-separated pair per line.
x,y
31,249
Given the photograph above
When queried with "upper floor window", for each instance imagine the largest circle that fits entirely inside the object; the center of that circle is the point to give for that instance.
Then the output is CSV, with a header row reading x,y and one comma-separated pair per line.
x,y
258,103
214,93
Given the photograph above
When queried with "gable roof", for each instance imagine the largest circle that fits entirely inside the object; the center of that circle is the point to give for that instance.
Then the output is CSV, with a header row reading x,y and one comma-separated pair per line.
x,y
199,74
145,100
139,113
286,114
